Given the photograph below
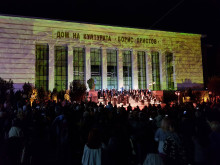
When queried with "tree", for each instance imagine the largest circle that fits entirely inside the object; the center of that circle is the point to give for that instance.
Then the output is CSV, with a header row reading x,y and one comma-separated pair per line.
x,y
214,86
91,83
54,94
197,96
60,95
41,94
189,93
18,96
169,96
27,89
5,88
77,90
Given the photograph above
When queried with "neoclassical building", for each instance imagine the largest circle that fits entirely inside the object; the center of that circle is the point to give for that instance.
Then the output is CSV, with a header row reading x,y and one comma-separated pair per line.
x,y
51,54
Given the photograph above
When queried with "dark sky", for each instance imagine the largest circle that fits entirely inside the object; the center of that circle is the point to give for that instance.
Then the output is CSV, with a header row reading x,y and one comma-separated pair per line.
x,y
193,16
196,16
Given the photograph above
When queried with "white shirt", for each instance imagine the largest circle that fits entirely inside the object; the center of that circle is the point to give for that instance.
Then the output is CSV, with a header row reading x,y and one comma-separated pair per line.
x,y
91,156
15,132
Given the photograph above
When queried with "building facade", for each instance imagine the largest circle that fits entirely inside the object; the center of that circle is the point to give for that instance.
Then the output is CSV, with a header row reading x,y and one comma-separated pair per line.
x,y
51,54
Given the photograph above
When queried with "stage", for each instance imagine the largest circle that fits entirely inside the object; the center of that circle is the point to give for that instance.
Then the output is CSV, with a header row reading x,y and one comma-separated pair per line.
x,y
133,103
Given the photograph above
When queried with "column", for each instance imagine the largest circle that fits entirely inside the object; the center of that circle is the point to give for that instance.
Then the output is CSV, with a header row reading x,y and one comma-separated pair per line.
x,y
51,67
174,72
134,70
120,69
104,68
163,71
149,72
87,69
70,65
147,69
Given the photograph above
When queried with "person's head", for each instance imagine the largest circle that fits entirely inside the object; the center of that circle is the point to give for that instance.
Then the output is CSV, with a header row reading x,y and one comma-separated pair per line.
x,y
94,139
159,112
215,126
173,126
165,124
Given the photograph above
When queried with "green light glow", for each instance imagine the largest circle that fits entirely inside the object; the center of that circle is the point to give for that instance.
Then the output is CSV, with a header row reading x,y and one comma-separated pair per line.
x,y
26,32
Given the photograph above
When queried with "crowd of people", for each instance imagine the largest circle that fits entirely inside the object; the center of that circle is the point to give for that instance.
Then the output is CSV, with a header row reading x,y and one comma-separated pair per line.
x,y
118,97
90,134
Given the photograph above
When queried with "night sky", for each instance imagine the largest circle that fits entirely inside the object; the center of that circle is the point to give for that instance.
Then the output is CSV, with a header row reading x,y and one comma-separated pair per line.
x,y
192,16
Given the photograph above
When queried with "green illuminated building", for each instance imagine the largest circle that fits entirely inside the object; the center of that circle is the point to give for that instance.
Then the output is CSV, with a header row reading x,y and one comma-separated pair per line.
x,y
51,54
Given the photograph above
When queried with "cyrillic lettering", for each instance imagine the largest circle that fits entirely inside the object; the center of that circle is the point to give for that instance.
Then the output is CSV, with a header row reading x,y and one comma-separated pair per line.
x,y
58,34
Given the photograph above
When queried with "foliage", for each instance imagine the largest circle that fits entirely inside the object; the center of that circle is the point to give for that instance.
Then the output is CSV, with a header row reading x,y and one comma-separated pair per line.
x,y
197,96
91,83
77,90
5,88
60,95
27,89
54,92
18,96
48,95
41,94
190,94
214,86
169,96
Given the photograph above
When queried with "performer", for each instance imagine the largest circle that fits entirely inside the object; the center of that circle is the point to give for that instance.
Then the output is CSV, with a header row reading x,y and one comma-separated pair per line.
x,y
115,100
136,98
105,100
119,99
99,94
128,99
122,89
145,92
124,99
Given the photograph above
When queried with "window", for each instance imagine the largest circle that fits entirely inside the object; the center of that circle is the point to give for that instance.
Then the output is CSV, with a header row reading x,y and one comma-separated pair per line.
x,y
42,65
96,67
169,68
112,69
61,68
142,84
127,70
78,64
155,70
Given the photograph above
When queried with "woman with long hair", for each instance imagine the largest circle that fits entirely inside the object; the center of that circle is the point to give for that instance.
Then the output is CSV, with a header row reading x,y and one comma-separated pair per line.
x,y
93,149
161,134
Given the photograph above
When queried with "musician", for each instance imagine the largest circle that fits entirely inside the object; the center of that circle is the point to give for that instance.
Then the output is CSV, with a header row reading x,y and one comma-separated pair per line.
x,y
115,100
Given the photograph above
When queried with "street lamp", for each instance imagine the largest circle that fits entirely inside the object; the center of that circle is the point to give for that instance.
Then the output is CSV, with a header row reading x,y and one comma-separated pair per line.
x,y
150,84
178,94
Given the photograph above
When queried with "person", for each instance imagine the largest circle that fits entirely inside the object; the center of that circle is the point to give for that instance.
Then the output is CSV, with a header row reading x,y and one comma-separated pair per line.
x,y
215,142
201,142
119,146
15,130
153,158
161,135
158,119
93,149
109,106
173,147
129,108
